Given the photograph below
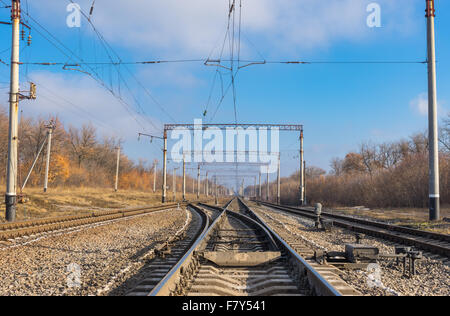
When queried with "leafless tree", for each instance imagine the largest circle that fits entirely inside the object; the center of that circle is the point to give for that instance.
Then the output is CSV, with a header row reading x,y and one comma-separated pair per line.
x,y
444,134
83,142
337,166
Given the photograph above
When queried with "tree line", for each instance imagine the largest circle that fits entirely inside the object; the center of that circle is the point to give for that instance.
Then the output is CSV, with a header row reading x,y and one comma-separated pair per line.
x,y
389,174
79,158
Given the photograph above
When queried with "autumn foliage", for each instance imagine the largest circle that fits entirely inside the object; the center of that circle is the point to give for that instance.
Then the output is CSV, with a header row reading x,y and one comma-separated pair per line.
x,y
79,158
377,175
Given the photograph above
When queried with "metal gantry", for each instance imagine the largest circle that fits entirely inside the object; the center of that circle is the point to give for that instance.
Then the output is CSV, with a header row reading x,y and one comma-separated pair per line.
x,y
281,127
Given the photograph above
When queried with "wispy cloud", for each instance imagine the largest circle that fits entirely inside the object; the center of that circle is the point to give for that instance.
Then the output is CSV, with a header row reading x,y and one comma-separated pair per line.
x,y
58,95
420,105
183,28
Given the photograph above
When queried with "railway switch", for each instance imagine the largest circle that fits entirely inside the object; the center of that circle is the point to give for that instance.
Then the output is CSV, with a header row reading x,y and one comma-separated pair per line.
x,y
357,253
359,256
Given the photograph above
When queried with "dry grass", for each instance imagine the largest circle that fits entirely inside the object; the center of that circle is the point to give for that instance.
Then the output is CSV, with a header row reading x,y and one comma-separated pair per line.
x,y
71,201
409,217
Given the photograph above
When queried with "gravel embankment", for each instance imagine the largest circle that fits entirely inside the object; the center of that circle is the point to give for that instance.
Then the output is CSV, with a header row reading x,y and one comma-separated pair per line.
x,y
432,279
92,261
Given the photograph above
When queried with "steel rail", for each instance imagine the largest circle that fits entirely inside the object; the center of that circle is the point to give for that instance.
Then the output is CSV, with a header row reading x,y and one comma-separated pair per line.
x,y
169,283
428,241
25,228
316,280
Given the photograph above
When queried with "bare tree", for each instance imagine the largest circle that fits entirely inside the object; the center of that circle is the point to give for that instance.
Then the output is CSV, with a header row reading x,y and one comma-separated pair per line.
x,y
314,172
368,153
337,166
389,155
444,134
83,142
419,143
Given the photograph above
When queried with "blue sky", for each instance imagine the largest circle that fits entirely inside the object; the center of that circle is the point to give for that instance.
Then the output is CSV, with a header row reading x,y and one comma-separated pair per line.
x,y
340,105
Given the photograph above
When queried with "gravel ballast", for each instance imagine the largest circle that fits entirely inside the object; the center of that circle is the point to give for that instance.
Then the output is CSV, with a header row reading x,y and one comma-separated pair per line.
x,y
433,275
92,261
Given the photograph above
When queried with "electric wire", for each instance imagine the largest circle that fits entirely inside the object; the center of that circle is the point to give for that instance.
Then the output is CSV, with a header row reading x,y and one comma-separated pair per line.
x,y
106,44
93,74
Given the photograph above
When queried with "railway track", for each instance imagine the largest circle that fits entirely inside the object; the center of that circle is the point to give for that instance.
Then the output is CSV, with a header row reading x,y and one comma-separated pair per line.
x,y
239,255
168,255
12,231
428,241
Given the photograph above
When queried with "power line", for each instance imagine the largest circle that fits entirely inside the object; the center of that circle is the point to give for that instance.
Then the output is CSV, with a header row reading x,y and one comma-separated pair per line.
x,y
93,74
80,109
107,46
256,62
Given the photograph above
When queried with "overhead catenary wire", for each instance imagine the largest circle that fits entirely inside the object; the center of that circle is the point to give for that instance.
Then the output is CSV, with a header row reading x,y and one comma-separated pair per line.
x,y
107,46
92,73
80,61
256,62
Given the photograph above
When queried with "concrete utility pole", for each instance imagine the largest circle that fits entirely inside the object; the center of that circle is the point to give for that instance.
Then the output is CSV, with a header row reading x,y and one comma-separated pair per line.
x,y
154,176
184,178
302,179
432,117
155,163
34,163
116,185
164,188
50,128
254,189
207,185
268,185
198,182
215,189
11,173
279,181
174,184
305,202
260,189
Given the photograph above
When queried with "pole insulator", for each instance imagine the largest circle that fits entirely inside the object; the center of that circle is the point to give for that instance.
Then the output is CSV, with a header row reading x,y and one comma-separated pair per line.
x,y
15,9
430,11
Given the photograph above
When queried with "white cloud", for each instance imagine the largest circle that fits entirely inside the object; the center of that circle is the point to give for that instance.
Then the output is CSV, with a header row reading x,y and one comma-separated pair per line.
x,y
420,105
177,28
76,100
